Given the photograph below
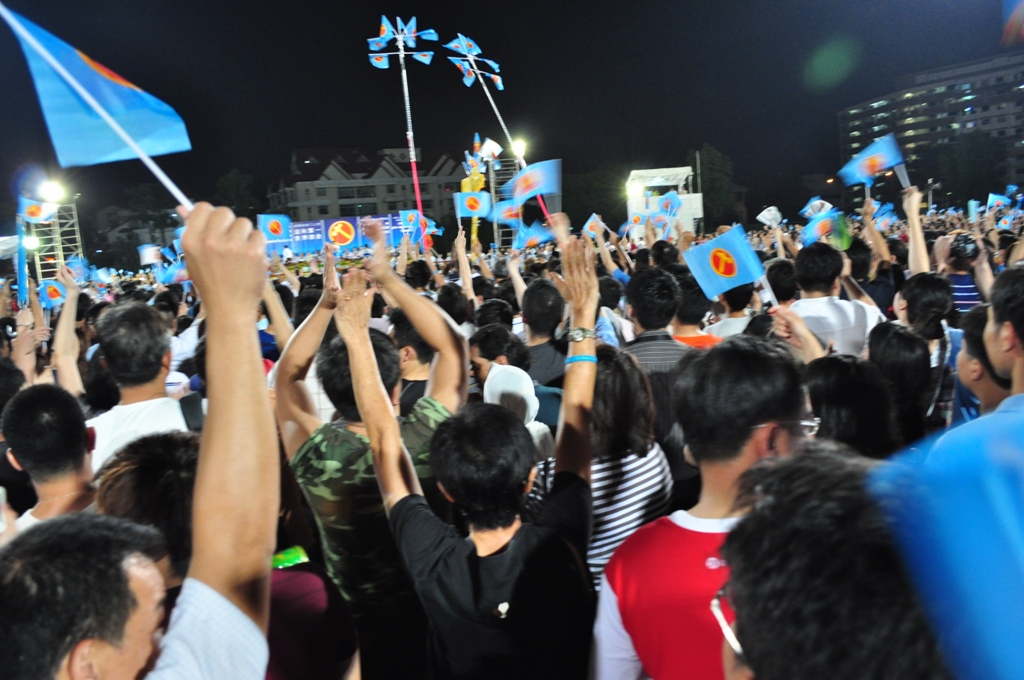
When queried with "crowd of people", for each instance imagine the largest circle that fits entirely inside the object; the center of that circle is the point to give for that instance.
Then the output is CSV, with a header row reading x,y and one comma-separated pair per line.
x,y
561,463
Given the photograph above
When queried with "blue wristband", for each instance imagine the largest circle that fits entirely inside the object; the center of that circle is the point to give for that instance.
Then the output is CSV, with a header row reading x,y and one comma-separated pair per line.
x,y
587,358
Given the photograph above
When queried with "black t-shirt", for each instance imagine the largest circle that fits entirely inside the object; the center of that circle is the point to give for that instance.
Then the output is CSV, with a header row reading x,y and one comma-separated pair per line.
x,y
547,363
412,391
525,612
882,289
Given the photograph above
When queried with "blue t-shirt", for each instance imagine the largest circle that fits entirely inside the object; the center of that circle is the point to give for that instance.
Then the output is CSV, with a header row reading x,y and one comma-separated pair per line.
x,y
1000,429
965,293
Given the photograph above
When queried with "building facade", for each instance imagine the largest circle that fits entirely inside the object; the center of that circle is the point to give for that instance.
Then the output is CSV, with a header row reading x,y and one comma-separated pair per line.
x,y
933,107
325,183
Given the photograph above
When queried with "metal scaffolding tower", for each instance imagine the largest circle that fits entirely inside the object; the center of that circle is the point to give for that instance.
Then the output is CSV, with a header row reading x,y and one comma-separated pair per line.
x,y
58,241
503,233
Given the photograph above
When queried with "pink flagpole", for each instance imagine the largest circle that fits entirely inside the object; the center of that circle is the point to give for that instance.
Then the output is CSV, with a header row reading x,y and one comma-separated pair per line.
x,y
409,135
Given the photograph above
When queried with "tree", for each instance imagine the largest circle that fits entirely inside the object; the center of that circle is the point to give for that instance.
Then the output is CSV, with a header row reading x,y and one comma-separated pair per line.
x,y
151,204
716,184
234,191
967,167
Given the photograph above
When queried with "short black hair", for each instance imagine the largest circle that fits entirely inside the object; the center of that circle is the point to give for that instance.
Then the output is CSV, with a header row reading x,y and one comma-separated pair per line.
x,y
134,340
506,290
817,267
654,295
898,249
417,274
543,307
723,392
781,275
494,311
1008,299
65,582
304,305
45,429
484,288
860,255
973,326
406,335
335,374
451,299
12,379
814,553
610,292
151,481
287,297
622,420
694,305
905,361
101,390
851,398
739,298
929,299
664,253
496,340
483,456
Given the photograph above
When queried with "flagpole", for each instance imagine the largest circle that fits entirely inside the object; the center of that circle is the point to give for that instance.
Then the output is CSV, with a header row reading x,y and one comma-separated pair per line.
x,y
95,105
409,134
22,275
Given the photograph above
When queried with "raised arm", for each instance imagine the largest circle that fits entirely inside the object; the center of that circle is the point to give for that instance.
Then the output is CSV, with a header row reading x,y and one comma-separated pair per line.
x,y
465,272
518,284
403,256
602,249
573,450
65,342
850,285
434,274
277,315
449,373
237,489
289,275
396,475
917,249
879,246
481,261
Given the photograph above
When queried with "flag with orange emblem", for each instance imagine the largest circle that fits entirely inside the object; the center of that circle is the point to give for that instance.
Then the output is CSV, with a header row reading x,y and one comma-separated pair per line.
x,y
535,180
879,156
473,204
80,137
724,263
275,227
34,211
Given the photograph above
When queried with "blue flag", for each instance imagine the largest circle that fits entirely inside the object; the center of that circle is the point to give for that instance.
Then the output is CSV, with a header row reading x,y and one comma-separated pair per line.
x,y
36,212
668,204
473,204
507,212
815,207
51,294
725,262
415,224
594,225
821,226
532,236
380,60
995,201
80,136
275,227
878,157
534,180
79,267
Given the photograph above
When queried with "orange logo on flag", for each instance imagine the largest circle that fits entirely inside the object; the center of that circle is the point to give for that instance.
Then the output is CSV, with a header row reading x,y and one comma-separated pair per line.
x,y
874,164
274,227
473,203
378,59
53,292
383,30
33,211
526,183
341,233
723,263
636,219
411,219
106,72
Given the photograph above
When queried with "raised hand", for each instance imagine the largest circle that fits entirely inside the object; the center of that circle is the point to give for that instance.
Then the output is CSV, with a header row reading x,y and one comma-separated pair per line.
x,y
912,201
580,289
67,279
460,242
352,315
378,264
560,225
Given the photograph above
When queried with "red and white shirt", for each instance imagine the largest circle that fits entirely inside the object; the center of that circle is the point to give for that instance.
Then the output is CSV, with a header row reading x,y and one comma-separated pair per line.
x,y
654,615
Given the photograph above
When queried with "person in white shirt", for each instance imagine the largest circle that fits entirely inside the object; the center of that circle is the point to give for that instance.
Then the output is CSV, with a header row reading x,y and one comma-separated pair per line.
x,y
136,349
821,271
737,316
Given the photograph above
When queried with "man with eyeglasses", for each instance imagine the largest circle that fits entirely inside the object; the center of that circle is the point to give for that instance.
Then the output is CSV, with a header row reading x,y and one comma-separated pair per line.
x,y
738,403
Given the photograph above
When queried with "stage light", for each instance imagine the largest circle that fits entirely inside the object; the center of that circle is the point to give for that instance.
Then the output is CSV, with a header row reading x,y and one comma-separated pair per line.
x,y
519,148
634,189
30,242
51,192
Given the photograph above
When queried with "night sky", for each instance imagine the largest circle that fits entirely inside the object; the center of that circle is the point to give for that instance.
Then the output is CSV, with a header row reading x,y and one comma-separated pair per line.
x,y
589,82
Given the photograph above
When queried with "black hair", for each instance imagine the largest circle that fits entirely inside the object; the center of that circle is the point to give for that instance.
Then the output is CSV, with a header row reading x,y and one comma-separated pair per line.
x,y
506,291
101,390
134,341
929,299
543,308
335,374
378,306
494,311
781,275
905,361
973,325
496,340
45,429
451,299
817,267
1008,299
664,253
483,456
168,297
727,390
622,420
898,249
642,259
287,297
851,398
406,335
151,481
814,553
182,323
860,255
759,326
738,298
8,331
304,305
610,292
483,288
417,274
654,295
693,305
12,379
93,313
65,582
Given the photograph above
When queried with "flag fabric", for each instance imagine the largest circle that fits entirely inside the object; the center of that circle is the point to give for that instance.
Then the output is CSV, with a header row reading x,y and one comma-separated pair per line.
x,y
507,212
885,217
668,204
473,204
468,74
815,207
464,45
387,30
995,201
534,180
415,224
1013,22
105,275
532,236
880,155
424,57
79,267
275,227
770,217
36,212
51,294
80,136
725,262
149,254
821,226
636,221
380,60
594,225
169,254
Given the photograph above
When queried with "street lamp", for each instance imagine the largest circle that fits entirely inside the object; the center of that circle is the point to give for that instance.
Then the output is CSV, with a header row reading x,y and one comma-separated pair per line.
x,y
634,189
519,148
51,192
30,242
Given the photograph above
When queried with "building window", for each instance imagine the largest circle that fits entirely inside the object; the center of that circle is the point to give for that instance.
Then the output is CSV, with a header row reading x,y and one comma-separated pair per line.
x,y
321,192
972,124
346,192
321,210
309,211
391,188
1001,119
987,121
428,204
306,191
855,134
1002,133
393,206
366,192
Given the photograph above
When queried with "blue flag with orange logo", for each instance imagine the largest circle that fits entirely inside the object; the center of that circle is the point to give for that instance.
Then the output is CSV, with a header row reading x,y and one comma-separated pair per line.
x,y
636,221
668,204
51,294
534,180
417,224
996,201
507,212
36,212
724,263
532,236
594,225
879,156
275,227
473,204
821,226
80,136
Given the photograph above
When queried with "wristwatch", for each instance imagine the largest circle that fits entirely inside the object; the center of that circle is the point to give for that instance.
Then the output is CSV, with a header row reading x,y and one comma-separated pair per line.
x,y
581,334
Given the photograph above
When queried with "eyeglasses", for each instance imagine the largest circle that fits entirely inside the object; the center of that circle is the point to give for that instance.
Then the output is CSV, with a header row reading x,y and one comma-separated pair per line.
x,y
810,427
730,636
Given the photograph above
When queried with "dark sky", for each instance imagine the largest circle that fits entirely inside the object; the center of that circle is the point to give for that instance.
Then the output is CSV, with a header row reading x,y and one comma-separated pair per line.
x,y
589,82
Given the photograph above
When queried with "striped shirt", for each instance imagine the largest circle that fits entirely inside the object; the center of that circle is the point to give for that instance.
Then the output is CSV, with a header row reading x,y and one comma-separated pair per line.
x,y
657,351
628,493
965,292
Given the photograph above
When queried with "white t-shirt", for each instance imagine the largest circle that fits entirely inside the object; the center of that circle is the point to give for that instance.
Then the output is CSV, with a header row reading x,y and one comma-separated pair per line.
x,y
845,322
729,327
124,424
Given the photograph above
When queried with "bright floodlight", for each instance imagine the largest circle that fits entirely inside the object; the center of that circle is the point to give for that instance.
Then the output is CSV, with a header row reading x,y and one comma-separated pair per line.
x,y
31,242
51,192
519,148
634,189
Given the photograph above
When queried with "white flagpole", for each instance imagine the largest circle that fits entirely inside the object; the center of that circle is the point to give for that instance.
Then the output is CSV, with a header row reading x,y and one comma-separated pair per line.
x,y
24,34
